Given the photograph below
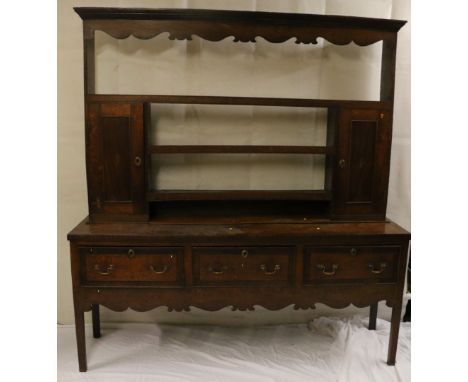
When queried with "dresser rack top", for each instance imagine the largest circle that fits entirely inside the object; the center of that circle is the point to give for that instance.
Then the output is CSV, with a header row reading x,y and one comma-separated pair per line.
x,y
106,13
245,26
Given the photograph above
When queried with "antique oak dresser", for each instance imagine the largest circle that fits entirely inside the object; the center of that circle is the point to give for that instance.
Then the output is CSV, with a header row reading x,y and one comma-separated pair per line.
x,y
141,247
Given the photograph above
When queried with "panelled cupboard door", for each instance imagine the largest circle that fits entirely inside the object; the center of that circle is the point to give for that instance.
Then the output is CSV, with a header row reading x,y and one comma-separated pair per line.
x,y
362,164
115,161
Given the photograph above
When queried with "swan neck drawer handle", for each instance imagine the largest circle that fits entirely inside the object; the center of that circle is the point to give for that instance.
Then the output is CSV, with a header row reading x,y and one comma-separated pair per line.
x,y
219,271
373,269
159,272
323,268
275,270
106,271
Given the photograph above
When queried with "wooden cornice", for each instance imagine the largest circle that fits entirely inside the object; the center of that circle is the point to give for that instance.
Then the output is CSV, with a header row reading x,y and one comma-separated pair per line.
x,y
245,26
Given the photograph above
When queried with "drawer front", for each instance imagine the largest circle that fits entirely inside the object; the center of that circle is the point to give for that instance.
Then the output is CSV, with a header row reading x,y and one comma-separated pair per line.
x,y
136,264
243,264
351,264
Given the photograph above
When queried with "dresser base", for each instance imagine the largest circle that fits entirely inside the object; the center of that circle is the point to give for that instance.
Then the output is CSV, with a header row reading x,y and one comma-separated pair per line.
x,y
146,265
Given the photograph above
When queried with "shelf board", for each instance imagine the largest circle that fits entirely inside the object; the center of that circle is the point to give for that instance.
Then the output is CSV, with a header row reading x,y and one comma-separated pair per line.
x,y
167,195
252,149
241,101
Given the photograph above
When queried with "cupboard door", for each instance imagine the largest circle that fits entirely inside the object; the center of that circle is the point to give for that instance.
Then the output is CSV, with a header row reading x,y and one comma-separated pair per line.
x,y
362,164
115,161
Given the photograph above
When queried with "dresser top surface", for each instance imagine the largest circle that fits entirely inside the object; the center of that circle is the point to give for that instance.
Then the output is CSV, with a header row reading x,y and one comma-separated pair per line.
x,y
159,231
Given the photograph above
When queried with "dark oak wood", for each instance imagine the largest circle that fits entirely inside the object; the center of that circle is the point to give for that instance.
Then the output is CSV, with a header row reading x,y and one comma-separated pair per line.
x,y
351,264
247,149
115,161
78,308
373,316
243,25
96,321
243,265
141,248
80,339
241,101
394,330
162,266
89,64
154,232
362,164
387,79
238,195
239,211
269,18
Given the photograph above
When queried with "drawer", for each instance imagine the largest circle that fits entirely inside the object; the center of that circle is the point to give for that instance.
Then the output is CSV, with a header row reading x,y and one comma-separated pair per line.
x,y
136,264
243,264
349,264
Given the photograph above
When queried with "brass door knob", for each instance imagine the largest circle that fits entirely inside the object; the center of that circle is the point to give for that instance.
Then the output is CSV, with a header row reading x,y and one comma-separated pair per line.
x,y
137,161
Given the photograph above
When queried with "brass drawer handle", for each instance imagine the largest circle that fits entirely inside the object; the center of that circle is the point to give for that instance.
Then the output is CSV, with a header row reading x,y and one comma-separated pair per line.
x,y
106,271
219,271
353,251
162,271
342,163
323,268
131,253
137,161
377,271
276,269
244,253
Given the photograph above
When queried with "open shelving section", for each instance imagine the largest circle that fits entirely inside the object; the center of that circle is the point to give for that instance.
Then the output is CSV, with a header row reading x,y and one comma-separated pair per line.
x,y
358,137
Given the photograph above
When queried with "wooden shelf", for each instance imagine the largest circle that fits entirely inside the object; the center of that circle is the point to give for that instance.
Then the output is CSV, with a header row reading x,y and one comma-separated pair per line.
x,y
166,195
245,101
223,149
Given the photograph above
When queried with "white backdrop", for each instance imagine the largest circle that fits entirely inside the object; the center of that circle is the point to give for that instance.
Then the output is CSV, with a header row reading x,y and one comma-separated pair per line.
x,y
225,68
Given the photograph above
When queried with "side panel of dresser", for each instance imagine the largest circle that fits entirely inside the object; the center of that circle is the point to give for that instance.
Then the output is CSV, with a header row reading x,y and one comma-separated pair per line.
x,y
362,164
115,162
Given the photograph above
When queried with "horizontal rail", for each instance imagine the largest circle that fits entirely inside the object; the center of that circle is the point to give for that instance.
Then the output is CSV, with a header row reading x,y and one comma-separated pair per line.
x,y
242,101
212,149
167,195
